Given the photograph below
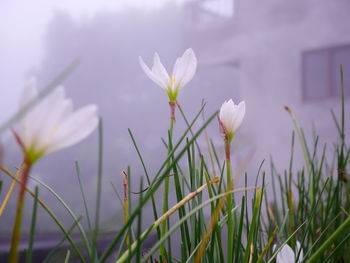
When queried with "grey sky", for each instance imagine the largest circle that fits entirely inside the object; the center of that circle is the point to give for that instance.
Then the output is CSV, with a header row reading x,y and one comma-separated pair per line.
x,y
22,34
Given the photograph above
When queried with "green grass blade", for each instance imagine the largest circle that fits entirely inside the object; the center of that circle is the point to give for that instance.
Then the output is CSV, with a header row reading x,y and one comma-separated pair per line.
x,y
29,252
155,214
51,214
83,195
70,212
59,244
343,228
67,257
98,189
188,215
156,183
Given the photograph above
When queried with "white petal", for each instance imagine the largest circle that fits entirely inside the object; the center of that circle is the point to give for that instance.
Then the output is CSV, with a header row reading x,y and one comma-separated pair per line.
x,y
151,74
185,68
286,255
29,94
43,119
239,115
76,128
226,114
159,70
57,117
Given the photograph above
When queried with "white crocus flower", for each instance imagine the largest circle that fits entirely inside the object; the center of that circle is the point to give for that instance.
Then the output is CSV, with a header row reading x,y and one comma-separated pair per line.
x,y
183,71
287,255
231,117
51,124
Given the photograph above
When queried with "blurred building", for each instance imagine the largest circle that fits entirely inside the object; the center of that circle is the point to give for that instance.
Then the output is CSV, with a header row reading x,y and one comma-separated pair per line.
x,y
284,53
269,53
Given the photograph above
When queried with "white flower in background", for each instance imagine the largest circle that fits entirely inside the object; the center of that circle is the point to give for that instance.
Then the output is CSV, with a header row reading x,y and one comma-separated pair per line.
x,y
231,117
51,124
183,71
286,254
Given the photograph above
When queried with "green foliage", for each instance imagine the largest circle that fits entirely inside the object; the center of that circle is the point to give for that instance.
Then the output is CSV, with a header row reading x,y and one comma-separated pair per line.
x,y
309,205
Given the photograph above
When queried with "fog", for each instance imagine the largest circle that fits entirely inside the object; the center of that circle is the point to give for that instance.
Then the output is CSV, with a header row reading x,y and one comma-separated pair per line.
x,y
244,53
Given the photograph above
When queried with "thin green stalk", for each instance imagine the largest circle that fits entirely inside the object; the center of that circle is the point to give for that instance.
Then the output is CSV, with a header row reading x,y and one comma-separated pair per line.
x,y
128,254
51,213
254,223
16,234
266,248
157,181
98,189
139,227
213,223
83,196
306,155
155,214
69,210
67,257
188,215
185,236
166,188
32,228
284,243
343,228
229,205
57,246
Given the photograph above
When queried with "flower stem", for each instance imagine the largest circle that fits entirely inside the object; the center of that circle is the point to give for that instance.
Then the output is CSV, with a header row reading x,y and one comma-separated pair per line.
x,y
16,234
167,179
229,204
50,213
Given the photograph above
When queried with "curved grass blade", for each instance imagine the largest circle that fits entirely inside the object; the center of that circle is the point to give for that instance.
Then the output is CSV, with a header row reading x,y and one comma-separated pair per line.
x,y
338,232
67,257
71,213
51,213
155,214
29,252
156,183
54,250
83,195
188,215
98,190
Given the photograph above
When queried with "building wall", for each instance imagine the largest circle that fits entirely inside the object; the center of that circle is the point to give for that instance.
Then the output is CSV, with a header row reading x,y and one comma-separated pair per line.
x,y
266,40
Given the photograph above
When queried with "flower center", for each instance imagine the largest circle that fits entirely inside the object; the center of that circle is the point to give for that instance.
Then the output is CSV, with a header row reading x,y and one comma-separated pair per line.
x,y
172,90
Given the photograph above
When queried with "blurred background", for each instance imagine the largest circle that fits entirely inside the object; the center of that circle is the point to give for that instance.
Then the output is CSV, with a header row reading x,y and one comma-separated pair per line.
x,y
269,53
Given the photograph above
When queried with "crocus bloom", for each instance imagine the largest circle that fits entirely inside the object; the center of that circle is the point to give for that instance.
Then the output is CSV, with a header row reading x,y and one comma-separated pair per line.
x,y
286,254
51,124
231,117
183,71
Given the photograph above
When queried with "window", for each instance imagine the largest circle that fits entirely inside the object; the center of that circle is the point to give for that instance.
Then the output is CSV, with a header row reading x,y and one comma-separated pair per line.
x,y
321,72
